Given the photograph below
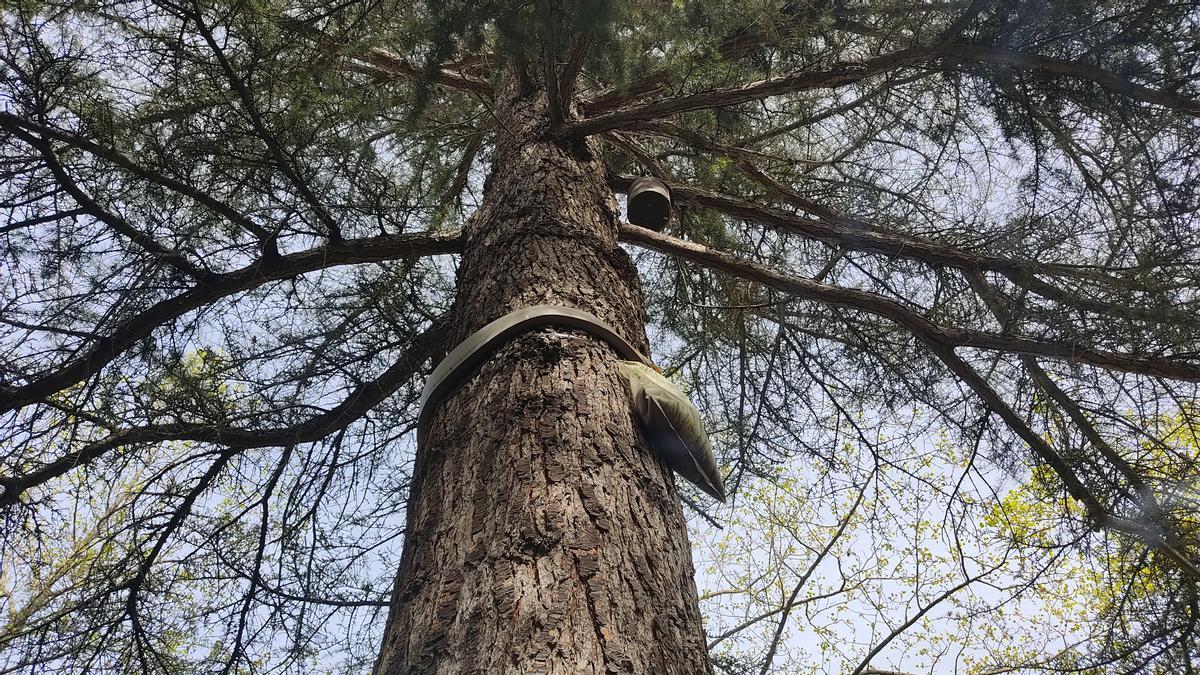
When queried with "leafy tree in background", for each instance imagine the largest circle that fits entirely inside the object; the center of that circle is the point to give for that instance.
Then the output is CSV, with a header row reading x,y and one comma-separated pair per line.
x,y
933,281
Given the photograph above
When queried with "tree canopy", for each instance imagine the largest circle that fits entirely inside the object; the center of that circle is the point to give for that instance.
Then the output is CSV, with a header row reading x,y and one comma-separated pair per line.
x,y
933,281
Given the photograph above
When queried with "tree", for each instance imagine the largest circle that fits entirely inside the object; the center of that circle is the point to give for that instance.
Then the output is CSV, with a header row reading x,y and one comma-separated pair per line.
x,y
942,256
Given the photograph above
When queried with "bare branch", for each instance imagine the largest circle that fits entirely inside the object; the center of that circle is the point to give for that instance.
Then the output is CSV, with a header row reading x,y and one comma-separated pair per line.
x,y
786,610
863,667
14,225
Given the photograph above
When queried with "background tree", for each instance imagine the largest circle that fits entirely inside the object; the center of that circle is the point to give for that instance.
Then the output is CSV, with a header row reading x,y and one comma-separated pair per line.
x,y
933,282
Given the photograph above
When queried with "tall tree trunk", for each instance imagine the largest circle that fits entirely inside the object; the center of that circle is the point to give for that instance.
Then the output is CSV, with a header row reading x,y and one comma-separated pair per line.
x,y
543,535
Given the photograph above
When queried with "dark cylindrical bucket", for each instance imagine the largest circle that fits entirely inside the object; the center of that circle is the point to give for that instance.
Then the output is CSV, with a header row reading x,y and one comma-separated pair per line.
x,y
649,203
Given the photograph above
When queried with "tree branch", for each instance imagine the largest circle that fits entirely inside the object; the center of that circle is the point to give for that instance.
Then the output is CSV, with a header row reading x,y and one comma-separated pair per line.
x,y
556,108
786,610
946,337
837,229
401,67
570,74
1100,517
129,331
1022,275
1167,542
864,666
841,75
808,120
360,401
464,168
283,161
14,225
741,43
389,62
114,221
848,73
14,123
1072,69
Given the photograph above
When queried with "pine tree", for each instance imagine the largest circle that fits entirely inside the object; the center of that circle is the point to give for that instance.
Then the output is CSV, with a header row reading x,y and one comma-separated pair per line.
x,y
238,237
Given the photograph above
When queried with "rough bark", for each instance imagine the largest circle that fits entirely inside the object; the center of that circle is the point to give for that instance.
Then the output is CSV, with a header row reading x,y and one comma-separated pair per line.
x,y
543,536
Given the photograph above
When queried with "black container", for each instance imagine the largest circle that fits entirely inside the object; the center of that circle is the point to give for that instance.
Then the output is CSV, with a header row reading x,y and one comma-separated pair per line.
x,y
649,203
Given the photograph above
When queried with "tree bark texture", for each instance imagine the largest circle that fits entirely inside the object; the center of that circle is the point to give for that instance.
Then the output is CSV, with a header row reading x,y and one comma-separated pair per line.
x,y
543,535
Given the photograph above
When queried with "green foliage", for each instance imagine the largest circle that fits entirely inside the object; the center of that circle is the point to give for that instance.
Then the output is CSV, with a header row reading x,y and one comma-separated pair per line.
x,y
233,137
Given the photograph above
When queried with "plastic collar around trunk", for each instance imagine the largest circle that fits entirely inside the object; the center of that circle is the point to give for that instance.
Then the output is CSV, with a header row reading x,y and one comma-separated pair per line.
x,y
476,349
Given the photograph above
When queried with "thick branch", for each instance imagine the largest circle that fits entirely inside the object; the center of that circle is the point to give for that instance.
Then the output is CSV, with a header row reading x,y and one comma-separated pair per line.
x,y
1148,533
389,62
1166,541
838,76
844,231
1023,274
942,340
128,332
464,168
848,73
401,67
996,304
884,86
740,44
570,74
365,397
556,107
948,337
615,98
